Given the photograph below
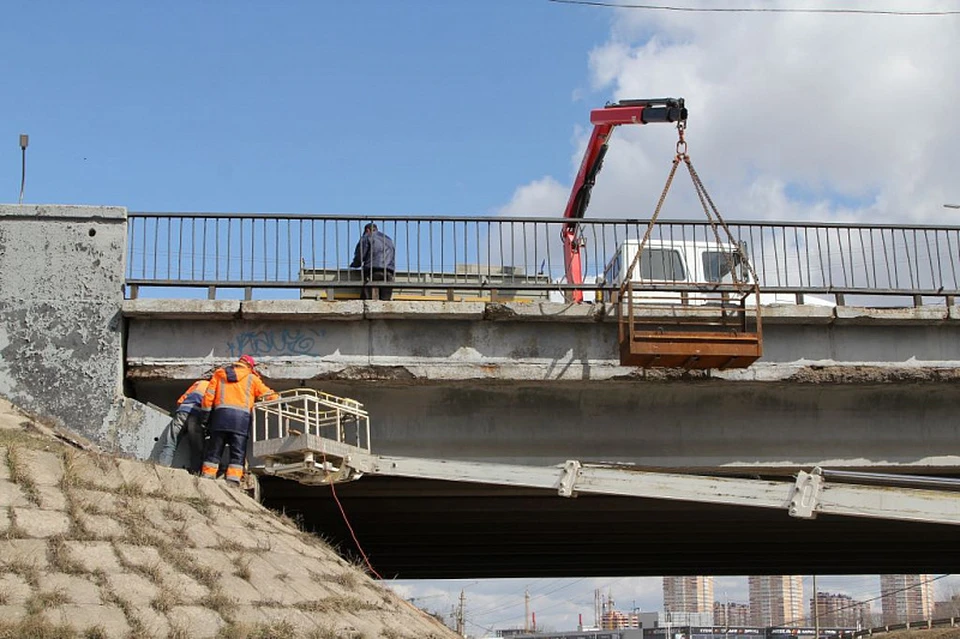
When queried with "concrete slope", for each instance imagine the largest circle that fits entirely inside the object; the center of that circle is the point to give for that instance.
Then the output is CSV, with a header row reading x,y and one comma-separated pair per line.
x,y
96,546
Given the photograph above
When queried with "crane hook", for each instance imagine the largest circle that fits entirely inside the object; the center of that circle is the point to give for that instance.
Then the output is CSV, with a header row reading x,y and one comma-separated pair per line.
x,y
681,143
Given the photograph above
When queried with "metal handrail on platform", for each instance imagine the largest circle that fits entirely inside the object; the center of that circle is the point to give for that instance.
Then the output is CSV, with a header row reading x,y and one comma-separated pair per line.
x,y
306,411
309,436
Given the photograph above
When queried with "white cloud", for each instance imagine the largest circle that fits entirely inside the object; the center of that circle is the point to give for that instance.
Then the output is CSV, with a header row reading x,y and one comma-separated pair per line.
x,y
792,117
841,109
540,198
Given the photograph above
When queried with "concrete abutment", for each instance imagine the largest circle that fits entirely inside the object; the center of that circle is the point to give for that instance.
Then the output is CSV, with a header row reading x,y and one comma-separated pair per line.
x,y
61,326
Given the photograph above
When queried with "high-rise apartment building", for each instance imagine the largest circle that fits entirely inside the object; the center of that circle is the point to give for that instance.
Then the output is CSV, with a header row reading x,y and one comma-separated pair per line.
x,y
906,598
730,614
838,611
688,599
776,600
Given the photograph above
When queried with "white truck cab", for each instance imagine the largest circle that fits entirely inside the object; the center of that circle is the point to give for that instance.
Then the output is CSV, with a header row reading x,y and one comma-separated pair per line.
x,y
684,261
688,262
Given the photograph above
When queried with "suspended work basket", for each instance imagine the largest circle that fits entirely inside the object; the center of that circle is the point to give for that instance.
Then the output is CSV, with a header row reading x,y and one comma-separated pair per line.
x,y
690,303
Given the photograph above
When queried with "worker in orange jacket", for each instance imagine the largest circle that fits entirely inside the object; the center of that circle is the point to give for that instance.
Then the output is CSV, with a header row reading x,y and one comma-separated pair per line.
x,y
186,422
229,399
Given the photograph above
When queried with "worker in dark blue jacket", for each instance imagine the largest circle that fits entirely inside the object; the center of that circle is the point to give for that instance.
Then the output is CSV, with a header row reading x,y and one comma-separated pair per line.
x,y
186,423
375,256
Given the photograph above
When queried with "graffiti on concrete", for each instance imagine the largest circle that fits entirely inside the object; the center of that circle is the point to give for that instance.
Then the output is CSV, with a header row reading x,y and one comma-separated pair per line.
x,y
275,342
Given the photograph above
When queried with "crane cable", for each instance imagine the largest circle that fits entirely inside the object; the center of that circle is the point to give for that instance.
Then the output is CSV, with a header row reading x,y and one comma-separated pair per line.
x,y
709,209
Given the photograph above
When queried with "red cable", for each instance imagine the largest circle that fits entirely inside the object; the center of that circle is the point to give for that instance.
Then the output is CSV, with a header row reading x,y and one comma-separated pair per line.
x,y
343,513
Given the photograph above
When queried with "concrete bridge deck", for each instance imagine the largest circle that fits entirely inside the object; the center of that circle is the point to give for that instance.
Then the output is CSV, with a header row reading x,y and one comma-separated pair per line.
x,y
541,383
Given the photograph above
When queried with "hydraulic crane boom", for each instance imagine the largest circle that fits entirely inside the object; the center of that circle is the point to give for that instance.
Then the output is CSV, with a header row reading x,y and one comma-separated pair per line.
x,y
604,120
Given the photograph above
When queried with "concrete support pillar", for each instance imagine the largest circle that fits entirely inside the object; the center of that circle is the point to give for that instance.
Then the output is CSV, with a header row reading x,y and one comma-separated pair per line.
x,y
61,331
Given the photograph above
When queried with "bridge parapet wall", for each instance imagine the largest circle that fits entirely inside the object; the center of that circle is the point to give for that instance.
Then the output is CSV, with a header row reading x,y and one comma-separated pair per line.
x,y
434,341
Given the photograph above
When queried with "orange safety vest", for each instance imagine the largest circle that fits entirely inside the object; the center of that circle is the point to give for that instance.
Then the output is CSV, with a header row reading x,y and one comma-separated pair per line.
x,y
194,393
235,386
230,396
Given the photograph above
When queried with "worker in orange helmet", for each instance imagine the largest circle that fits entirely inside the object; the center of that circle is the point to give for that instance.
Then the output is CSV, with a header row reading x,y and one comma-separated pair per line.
x,y
229,399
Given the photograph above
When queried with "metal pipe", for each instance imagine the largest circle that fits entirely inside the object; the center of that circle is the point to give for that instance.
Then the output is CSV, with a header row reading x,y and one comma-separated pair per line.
x,y
891,479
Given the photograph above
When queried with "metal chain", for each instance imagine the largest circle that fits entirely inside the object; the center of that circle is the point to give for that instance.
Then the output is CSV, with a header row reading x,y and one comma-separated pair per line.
x,y
653,220
704,197
706,202
698,183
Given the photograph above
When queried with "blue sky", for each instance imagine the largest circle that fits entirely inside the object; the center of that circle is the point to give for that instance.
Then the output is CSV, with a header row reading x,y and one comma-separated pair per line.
x,y
466,107
416,106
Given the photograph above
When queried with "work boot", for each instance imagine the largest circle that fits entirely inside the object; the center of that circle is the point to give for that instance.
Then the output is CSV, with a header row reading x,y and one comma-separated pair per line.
x,y
209,470
234,474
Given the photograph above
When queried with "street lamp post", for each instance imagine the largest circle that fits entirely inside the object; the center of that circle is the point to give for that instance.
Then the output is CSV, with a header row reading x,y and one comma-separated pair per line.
x,y
24,141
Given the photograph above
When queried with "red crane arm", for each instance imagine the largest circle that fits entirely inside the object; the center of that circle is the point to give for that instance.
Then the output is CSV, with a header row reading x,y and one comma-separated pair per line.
x,y
604,120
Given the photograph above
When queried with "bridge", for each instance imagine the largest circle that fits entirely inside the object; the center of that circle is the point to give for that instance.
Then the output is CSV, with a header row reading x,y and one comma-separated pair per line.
x,y
478,358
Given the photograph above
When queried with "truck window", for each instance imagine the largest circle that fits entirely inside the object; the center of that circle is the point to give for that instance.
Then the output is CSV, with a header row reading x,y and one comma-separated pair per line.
x,y
662,264
716,264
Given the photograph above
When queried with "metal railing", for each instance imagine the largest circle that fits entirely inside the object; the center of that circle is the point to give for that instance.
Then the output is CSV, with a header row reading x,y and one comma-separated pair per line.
x,y
524,256
309,436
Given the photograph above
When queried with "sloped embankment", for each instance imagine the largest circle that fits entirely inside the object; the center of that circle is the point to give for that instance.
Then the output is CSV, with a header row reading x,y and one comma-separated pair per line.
x,y
94,546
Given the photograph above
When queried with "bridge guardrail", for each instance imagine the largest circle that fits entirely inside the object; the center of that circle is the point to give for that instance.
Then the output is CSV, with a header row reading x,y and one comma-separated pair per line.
x,y
924,624
523,256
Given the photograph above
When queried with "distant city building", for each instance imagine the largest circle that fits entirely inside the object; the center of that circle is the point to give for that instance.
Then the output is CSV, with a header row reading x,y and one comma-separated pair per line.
x,y
839,611
688,600
717,632
731,614
586,634
613,619
616,620
906,598
697,632
776,600
948,608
